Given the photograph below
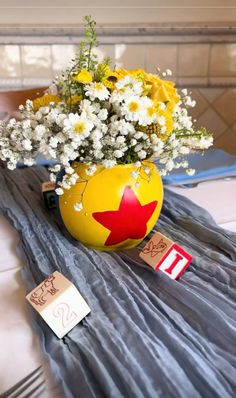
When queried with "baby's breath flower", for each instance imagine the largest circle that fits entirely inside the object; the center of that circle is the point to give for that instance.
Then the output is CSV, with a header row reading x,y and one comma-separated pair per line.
x,y
78,206
59,191
135,174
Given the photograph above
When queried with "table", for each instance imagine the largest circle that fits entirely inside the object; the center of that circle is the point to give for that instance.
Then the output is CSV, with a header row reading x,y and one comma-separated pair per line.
x,y
20,352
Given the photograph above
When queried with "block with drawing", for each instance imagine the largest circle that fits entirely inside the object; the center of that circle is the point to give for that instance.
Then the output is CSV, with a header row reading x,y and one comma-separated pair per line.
x,y
164,255
59,303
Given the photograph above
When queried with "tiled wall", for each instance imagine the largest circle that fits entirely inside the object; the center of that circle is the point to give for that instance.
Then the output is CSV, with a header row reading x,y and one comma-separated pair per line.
x,y
201,64
208,69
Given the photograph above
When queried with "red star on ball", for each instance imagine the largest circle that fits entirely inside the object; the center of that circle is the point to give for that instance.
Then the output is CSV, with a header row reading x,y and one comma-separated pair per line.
x,y
129,221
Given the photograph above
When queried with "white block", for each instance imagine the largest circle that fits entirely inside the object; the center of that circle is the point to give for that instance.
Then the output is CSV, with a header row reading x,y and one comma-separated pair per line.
x,y
174,262
59,303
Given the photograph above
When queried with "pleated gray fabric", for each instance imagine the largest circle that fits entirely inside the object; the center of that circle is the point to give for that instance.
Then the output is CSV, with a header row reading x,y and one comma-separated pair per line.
x,y
147,335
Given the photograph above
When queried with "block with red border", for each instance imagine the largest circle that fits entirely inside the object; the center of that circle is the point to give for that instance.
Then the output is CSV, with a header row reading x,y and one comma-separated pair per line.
x,y
164,255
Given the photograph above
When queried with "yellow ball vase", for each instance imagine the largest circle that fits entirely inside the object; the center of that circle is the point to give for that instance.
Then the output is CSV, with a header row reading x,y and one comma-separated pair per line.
x,y
119,207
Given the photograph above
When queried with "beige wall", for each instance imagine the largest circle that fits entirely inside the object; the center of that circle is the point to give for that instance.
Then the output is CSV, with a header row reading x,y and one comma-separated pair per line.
x,y
57,12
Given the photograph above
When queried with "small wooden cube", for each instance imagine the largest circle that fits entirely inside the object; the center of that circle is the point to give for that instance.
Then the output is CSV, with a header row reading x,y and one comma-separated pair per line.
x,y
59,303
48,191
164,255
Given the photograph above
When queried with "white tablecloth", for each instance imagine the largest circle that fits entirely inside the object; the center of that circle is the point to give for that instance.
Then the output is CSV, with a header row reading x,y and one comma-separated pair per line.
x,y
20,352
218,197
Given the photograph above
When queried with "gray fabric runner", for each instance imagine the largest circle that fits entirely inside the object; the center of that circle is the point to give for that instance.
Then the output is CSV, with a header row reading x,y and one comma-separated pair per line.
x,y
147,335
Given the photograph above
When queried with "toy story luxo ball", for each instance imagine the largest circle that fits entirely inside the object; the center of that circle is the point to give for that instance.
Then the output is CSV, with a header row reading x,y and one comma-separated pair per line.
x,y
118,209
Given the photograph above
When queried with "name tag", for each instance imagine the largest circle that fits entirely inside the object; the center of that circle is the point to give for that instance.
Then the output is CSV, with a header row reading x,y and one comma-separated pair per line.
x,y
59,303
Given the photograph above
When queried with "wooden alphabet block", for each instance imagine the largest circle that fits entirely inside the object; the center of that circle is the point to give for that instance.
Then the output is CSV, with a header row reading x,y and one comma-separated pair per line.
x,y
164,255
59,303
48,191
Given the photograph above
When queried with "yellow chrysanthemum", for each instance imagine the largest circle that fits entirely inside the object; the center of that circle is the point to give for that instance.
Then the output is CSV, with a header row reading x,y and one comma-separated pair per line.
x,y
108,83
45,100
84,77
138,73
74,99
161,90
120,73
109,79
169,123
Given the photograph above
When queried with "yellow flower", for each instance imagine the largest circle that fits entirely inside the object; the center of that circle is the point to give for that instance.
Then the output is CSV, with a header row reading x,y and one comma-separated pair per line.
x,y
169,123
74,99
161,90
45,101
109,79
84,76
119,73
155,128
108,83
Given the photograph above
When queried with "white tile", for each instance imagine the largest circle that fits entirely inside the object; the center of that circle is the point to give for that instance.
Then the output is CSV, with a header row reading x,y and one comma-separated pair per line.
x,y
61,56
10,61
163,56
36,61
130,56
105,51
223,60
193,60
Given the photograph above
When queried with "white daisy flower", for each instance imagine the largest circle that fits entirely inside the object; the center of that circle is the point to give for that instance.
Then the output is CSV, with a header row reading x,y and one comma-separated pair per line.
x,y
96,90
132,108
78,124
130,82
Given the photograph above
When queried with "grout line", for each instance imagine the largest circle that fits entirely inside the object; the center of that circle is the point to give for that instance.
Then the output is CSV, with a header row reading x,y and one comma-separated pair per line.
x,y
209,63
51,63
21,64
177,64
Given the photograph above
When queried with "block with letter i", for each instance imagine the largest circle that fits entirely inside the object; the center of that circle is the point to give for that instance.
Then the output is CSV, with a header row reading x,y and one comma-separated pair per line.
x,y
59,303
164,255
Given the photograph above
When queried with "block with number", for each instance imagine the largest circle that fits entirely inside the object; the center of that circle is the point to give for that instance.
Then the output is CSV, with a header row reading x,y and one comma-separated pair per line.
x,y
164,255
59,303
48,191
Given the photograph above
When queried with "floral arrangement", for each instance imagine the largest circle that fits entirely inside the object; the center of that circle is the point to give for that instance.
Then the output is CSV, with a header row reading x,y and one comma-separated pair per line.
x,y
96,114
